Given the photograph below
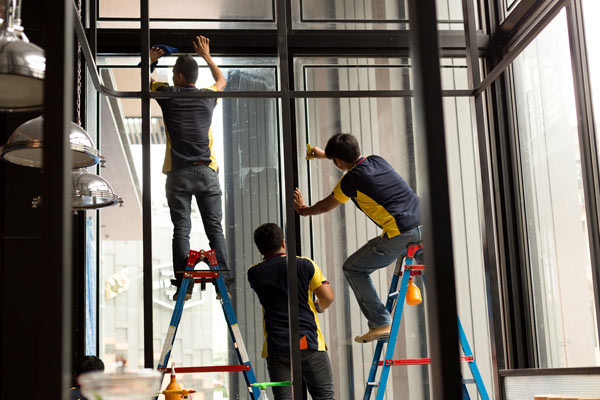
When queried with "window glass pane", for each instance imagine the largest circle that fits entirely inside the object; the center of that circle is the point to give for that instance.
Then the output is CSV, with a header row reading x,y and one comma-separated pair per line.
x,y
120,241
371,73
246,146
368,14
383,126
190,9
592,32
189,14
556,224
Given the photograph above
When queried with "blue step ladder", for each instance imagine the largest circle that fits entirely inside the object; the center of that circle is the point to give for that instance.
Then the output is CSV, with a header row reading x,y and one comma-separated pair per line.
x,y
202,276
396,299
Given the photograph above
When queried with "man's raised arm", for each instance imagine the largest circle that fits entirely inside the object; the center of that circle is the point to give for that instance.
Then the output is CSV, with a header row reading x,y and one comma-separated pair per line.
x,y
201,45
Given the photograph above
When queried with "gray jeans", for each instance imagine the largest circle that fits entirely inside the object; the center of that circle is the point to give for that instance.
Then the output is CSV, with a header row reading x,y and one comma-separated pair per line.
x,y
316,371
201,182
378,253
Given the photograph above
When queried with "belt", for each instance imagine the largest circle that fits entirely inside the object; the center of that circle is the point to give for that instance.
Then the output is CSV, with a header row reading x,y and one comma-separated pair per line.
x,y
201,163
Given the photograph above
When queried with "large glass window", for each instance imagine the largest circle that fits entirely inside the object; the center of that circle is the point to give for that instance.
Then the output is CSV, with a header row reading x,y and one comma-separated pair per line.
x,y
554,205
383,126
246,146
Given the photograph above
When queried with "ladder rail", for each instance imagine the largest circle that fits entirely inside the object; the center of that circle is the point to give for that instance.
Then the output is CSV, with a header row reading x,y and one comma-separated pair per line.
x,y
472,365
389,353
389,305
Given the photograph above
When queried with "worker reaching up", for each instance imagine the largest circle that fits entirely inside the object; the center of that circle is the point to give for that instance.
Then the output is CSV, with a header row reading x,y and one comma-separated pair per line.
x,y
383,195
190,163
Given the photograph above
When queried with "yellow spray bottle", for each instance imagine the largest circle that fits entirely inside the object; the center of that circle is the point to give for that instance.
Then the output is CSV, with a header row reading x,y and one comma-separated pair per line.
x,y
173,385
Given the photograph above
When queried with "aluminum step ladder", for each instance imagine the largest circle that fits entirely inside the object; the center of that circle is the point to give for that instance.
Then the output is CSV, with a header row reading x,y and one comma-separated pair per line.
x,y
202,276
396,299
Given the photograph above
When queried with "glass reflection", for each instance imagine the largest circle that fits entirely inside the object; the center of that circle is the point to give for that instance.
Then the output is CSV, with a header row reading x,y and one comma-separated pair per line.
x,y
556,222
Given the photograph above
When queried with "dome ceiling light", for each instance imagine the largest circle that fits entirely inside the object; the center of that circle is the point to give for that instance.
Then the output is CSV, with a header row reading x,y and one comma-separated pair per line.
x,y
25,146
90,192
22,64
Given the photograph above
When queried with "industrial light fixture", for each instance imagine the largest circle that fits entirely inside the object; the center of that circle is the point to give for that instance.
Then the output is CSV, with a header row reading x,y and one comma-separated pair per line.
x,y
25,146
90,192
22,64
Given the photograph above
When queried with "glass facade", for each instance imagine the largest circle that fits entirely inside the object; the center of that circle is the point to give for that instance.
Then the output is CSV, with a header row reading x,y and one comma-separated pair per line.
x,y
554,206
249,152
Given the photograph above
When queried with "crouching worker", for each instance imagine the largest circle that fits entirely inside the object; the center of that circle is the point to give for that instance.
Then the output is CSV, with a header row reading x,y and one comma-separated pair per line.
x,y
270,282
385,197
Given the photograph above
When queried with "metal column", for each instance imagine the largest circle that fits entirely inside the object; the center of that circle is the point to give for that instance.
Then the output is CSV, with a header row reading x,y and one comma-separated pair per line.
x,y
486,201
51,368
146,195
283,26
432,167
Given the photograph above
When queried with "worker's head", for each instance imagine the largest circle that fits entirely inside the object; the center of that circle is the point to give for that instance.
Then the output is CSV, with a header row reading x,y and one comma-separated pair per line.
x,y
269,239
185,71
88,364
343,150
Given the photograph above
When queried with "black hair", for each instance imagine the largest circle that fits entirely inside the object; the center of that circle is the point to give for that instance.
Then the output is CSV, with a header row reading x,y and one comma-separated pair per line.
x,y
268,238
343,146
188,67
89,363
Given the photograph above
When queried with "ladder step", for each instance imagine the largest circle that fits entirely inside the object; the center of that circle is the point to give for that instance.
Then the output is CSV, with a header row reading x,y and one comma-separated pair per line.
x,y
414,267
468,381
416,361
372,383
201,274
214,368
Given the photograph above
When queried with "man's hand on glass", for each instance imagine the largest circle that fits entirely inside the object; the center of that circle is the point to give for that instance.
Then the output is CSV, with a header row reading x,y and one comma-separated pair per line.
x,y
202,46
155,54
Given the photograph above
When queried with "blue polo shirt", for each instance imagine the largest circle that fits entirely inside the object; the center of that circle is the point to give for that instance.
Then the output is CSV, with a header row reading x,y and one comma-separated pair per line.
x,y
381,193
269,280
188,127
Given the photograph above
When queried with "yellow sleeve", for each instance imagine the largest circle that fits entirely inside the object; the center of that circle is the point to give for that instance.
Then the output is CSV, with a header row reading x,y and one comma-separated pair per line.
x,y
213,88
155,85
317,279
338,193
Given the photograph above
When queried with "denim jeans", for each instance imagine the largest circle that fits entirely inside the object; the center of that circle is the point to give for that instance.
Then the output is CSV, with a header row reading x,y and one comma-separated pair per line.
x,y
203,183
316,372
378,253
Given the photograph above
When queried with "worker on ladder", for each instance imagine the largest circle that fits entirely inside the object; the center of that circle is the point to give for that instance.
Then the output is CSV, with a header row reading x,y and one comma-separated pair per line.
x,y
269,280
190,163
385,197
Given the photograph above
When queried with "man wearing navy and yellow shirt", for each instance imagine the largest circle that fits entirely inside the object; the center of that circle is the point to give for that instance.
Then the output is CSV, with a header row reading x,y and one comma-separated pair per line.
x,y
381,193
189,163
269,280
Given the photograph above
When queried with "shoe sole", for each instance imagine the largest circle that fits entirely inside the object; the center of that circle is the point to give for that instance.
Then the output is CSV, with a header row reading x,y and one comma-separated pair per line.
x,y
359,339
187,297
